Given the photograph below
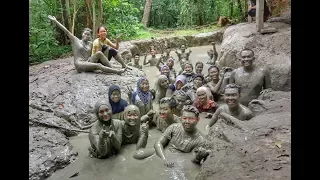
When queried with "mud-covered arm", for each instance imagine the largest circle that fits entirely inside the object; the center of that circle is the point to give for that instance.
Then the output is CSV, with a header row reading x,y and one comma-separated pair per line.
x,y
144,60
64,29
116,139
158,63
199,153
98,142
231,120
232,79
114,46
216,88
215,117
160,145
143,136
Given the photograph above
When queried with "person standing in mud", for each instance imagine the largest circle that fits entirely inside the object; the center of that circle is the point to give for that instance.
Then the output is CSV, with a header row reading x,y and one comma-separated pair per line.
x,y
153,60
166,55
182,99
179,83
183,137
165,116
105,135
183,54
135,62
117,103
142,97
213,55
161,88
232,111
102,44
82,49
215,82
132,131
252,80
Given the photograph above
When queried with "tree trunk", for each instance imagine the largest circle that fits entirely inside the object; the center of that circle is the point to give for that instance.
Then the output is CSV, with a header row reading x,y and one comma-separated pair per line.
x,y
89,15
240,9
75,10
231,8
146,14
99,20
63,19
94,19
68,18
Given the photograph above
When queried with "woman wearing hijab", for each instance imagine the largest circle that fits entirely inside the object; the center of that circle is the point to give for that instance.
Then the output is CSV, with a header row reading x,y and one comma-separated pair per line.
x,y
142,97
117,103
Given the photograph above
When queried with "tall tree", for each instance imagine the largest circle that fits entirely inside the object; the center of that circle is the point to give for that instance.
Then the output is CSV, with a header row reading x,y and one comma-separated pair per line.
x,y
146,14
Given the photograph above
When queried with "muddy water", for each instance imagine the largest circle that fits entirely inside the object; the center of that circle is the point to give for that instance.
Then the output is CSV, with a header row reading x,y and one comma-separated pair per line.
x,y
124,166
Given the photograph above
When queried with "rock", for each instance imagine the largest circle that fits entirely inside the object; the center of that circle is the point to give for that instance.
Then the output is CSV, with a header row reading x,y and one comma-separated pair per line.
x,y
60,100
272,51
262,151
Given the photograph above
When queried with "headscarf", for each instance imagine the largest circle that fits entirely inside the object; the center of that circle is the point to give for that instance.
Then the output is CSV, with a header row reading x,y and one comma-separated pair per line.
x,y
157,82
144,96
96,109
119,106
181,78
132,107
165,66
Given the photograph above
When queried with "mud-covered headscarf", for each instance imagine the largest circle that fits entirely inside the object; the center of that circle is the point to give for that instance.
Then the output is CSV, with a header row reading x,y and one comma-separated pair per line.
x,y
132,107
96,109
157,82
165,66
144,96
181,78
119,106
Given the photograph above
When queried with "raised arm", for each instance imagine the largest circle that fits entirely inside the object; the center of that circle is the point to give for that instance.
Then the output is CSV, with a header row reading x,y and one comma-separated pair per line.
x,y
231,79
144,60
143,137
158,63
64,29
114,46
215,117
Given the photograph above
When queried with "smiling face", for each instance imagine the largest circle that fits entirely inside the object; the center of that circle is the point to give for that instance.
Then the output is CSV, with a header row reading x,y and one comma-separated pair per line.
x,y
102,33
202,97
181,100
104,113
199,68
247,58
115,96
231,97
214,73
132,118
144,86
197,82
136,59
189,120
153,52
165,71
86,35
188,68
183,48
164,83
165,111
170,62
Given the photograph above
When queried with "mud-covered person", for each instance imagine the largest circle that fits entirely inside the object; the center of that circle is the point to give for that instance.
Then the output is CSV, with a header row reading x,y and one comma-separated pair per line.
x,y
105,135
161,88
183,54
135,62
133,131
117,103
182,99
164,116
183,137
153,60
232,111
191,88
252,80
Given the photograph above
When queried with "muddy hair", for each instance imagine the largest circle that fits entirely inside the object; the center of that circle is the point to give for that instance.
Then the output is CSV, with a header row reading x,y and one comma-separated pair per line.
x,y
86,29
233,86
170,101
246,49
181,93
213,66
137,54
188,64
199,62
198,75
191,108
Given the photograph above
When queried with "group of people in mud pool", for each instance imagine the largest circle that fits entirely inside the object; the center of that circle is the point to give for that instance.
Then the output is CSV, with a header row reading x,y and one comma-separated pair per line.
x,y
176,101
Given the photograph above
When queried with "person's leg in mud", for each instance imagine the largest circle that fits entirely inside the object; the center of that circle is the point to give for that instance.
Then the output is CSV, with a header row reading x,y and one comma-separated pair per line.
x,y
113,53
100,56
90,67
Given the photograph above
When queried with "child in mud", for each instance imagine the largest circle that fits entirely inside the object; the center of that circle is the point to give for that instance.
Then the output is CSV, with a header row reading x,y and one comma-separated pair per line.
x,y
183,137
232,111
164,117
117,103
105,135
132,131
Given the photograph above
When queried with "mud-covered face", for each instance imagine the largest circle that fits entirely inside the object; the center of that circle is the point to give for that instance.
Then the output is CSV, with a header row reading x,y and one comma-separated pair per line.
x,y
136,59
170,63
165,71
181,100
197,82
179,85
199,68
144,86
103,33
189,120
115,96
183,48
231,97
132,118
247,58
152,52
164,83
104,113
165,111
202,97
210,53
214,73
188,68
86,36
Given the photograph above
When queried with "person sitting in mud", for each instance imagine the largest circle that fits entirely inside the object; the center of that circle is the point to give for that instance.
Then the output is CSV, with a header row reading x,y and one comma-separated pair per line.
x,y
183,137
215,82
203,102
142,97
82,51
182,99
191,88
161,88
102,44
106,133
232,111
132,132
183,55
153,60
135,62
170,64
165,116
199,68
213,55
252,80
188,72
117,103
165,70
179,83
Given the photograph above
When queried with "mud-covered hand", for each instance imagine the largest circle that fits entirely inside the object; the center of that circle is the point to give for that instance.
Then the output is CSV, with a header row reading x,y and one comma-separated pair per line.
x,y
111,132
145,127
104,133
169,163
118,37
52,18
